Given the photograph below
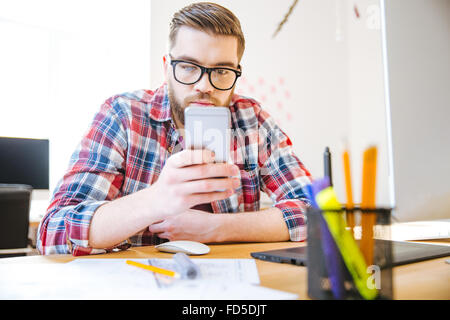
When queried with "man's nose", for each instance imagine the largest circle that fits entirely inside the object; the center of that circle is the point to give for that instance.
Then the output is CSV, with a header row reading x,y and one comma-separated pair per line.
x,y
203,85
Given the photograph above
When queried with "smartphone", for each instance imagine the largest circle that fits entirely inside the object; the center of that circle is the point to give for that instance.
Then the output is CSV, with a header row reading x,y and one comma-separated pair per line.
x,y
208,128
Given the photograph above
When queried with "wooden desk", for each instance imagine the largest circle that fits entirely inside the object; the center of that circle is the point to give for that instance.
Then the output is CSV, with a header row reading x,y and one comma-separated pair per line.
x,y
423,280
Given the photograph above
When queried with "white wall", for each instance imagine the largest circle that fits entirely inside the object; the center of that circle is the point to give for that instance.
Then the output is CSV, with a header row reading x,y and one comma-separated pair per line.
x,y
367,111
60,60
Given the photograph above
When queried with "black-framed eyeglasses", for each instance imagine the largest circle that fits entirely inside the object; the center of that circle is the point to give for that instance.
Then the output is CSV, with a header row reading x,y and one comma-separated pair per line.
x,y
221,78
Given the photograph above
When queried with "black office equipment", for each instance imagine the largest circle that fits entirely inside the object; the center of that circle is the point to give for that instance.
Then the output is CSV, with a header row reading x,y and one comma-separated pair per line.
x,y
24,161
404,252
14,217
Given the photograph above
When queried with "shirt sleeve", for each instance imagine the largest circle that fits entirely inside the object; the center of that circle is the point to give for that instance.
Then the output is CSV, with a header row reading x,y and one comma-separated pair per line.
x,y
94,177
283,175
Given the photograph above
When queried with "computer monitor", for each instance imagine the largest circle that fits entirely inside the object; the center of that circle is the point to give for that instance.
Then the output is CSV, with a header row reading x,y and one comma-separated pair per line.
x,y
25,161
416,51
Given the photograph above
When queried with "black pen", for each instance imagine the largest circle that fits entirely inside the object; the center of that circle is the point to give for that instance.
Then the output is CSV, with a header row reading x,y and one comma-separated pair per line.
x,y
327,164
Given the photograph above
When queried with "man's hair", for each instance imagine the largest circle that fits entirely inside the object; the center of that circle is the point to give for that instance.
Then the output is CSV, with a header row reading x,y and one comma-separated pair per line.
x,y
211,18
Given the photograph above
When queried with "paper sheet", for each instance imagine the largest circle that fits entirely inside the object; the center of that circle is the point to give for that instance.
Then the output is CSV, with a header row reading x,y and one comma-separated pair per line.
x,y
218,270
72,281
222,279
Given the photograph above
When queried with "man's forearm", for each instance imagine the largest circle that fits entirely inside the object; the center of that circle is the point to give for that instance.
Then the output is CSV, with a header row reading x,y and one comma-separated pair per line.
x,y
118,220
262,226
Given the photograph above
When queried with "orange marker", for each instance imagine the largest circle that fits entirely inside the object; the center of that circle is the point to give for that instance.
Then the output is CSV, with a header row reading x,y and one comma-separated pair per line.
x,y
368,219
349,191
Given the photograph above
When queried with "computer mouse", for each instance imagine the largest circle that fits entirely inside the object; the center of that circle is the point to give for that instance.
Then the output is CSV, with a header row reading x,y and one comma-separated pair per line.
x,y
188,247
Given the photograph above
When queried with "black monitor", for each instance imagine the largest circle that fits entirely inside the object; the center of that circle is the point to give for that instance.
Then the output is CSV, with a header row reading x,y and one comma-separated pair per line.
x,y
24,161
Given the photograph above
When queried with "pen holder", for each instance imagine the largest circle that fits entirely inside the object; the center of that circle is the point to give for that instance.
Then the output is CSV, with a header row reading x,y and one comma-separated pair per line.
x,y
331,275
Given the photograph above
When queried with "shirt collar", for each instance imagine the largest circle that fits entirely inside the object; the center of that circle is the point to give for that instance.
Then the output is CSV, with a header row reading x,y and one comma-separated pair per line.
x,y
159,105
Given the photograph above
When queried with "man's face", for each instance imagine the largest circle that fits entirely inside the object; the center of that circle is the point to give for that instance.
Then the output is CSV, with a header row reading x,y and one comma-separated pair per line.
x,y
209,51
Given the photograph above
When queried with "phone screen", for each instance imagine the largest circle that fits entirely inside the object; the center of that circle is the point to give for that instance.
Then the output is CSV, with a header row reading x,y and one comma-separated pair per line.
x,y
208,127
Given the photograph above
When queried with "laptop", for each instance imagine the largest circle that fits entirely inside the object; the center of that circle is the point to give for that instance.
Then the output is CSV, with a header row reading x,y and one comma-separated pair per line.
x,y
403,253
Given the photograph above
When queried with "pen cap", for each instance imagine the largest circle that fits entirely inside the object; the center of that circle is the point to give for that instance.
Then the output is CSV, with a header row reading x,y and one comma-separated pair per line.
x,y
188,269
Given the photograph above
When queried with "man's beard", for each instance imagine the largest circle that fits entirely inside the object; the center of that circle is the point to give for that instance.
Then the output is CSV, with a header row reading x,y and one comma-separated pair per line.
x,y
177,108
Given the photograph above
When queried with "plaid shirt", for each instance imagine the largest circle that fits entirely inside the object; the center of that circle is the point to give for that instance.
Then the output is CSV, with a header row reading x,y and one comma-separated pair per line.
x,y
126,147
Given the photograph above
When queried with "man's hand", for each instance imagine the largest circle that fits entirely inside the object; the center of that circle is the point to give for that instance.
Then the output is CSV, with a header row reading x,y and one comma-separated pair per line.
x,y
205,227
191,177
194,225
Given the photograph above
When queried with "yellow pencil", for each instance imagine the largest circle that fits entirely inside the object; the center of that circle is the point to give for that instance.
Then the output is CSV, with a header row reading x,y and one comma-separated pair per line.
x,y
169,273
368,219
